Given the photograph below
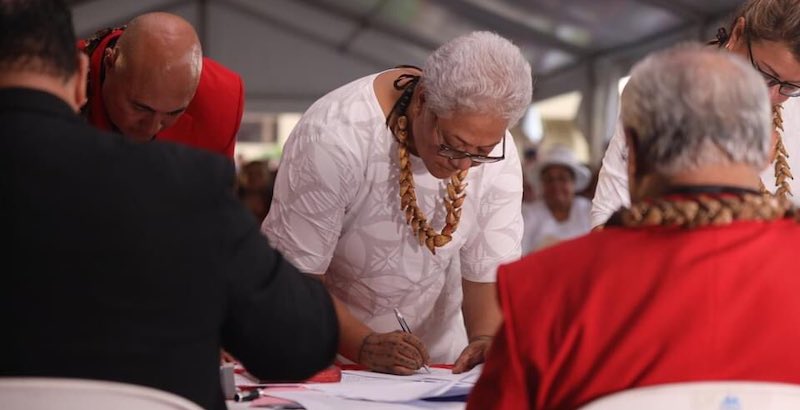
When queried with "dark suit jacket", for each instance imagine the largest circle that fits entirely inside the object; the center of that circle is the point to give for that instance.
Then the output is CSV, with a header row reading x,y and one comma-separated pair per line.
x,y
136,263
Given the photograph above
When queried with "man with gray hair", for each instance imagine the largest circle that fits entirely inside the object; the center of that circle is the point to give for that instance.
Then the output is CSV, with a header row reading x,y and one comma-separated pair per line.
x,y
692,282
402,192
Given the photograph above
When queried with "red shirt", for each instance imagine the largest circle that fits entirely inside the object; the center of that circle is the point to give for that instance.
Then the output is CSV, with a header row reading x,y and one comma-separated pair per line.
x,y
623,308
212,118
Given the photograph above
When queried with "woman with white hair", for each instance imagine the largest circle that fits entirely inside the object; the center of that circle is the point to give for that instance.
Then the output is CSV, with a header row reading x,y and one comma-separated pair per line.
x,y
767,34
559,215
401,191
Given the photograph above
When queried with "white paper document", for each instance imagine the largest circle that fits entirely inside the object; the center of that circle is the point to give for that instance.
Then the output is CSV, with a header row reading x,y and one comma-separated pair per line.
x,y
317,400
380,387
436,374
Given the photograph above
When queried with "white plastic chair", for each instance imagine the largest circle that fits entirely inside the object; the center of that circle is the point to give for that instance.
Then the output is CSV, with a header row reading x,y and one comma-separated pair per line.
x,y
726,395
38,393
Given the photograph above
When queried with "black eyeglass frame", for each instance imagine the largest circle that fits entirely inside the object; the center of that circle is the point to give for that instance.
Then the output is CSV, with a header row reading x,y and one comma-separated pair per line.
x,y
771,79
456,154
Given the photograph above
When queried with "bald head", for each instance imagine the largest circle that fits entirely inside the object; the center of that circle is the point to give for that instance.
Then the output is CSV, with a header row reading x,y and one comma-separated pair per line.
x,y
151,74
161,42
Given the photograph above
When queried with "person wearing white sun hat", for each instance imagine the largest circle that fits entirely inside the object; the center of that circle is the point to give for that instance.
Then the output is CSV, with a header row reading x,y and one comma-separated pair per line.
x,y
559,214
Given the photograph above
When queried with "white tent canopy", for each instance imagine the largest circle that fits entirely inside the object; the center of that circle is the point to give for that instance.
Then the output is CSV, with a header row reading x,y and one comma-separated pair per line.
x,y
291,52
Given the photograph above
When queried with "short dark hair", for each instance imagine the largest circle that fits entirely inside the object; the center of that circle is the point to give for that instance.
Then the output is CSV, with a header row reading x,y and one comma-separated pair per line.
x,y
37,35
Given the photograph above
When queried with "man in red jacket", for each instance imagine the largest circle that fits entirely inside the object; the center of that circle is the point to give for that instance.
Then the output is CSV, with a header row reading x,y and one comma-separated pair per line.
x,y
697,280
149,81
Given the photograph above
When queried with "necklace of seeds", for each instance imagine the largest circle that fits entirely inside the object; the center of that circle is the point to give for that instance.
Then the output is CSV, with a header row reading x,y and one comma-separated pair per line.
x,y
453,201
705,210
782,171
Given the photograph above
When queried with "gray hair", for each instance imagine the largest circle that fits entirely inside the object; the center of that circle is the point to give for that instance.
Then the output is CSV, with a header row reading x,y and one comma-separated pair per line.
x,y
480,72
693,106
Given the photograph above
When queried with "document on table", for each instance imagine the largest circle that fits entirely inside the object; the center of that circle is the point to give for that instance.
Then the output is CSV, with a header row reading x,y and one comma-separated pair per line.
x,y
436,375
369,390
317,400
380,387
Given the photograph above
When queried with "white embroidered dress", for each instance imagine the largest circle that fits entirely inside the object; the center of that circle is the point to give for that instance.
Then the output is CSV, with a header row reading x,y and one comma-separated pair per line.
x,y
336,210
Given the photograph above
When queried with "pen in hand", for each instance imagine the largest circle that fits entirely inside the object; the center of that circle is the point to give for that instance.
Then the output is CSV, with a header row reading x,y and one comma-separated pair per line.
x,y
404,327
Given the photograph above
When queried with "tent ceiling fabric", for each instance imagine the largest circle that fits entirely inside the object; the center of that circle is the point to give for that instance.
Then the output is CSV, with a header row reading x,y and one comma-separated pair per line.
x,y
290,52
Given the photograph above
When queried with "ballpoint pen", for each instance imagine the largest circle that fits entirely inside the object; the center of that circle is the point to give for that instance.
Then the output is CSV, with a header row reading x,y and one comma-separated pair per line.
x,y
404,327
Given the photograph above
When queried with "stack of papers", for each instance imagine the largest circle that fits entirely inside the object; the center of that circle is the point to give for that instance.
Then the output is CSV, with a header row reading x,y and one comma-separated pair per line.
x,y
364,385
317,400
362,389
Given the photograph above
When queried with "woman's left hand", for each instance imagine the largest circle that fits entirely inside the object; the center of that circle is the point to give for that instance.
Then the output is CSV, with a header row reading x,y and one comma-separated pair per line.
x,y
473,354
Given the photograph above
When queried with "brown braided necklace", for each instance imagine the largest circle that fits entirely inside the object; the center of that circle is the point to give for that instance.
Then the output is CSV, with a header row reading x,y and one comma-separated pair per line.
x,y
782,171
454,199
704,209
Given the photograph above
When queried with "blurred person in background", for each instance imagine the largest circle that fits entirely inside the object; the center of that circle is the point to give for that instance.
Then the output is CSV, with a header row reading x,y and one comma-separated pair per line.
x,y
559,214
254,187
528,185
767,34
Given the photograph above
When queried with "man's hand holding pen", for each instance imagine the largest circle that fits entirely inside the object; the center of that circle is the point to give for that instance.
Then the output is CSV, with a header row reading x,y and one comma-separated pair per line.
x,y
396,352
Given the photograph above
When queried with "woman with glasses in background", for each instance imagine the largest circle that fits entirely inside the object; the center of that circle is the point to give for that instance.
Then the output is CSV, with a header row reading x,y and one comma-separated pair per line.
x,y
767,33
402,191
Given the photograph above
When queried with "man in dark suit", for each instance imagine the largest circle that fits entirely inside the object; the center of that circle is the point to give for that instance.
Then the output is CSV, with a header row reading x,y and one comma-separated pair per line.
x,y
130,262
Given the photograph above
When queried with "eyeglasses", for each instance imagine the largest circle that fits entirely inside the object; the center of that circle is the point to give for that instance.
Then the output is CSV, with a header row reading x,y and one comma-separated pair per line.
x,y
785,88
455,154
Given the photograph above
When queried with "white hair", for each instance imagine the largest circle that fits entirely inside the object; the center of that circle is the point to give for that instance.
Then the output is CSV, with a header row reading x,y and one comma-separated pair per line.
x,y
480,72
693,106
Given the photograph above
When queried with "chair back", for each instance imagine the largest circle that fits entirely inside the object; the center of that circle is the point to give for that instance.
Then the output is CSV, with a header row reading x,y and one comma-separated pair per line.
x,y
724,395
39,393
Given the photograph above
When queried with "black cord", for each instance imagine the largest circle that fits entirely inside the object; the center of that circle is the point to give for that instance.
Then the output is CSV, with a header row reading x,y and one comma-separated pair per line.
x,y
709,189
407,83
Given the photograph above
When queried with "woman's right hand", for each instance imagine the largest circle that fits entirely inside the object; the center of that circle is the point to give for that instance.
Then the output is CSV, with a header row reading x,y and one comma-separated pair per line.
x,y
395,352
